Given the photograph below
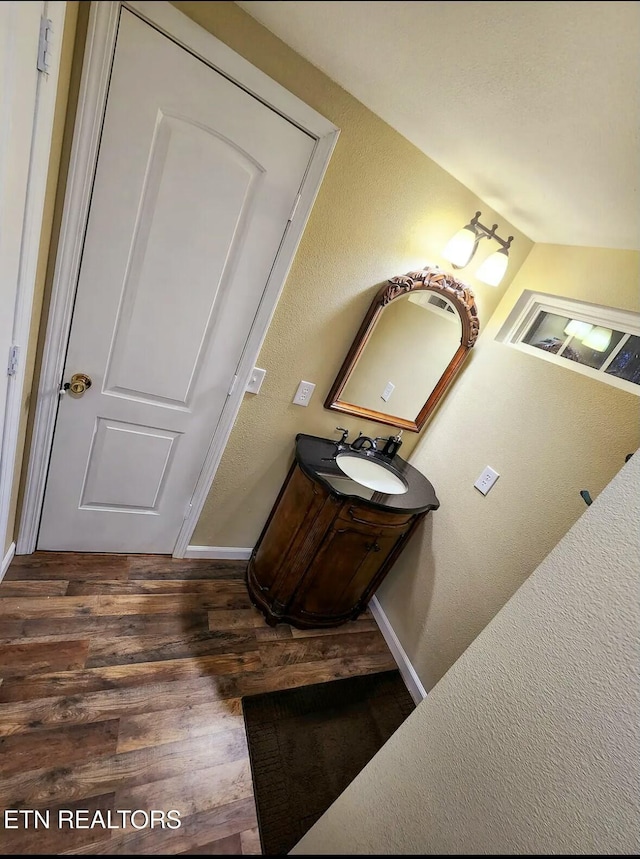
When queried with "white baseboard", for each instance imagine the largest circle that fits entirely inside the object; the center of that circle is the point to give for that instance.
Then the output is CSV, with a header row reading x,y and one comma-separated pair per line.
x,y
218,553
411,679
7,560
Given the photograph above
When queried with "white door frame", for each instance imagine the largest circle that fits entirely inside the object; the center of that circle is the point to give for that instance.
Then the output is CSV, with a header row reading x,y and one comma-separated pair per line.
x,y
98,59
39,147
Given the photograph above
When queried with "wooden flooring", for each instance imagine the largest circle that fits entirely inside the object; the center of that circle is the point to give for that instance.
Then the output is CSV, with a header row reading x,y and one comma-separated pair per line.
x,y
121,686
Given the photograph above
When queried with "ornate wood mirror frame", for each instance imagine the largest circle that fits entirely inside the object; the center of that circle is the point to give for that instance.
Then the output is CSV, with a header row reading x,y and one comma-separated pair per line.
x,y
431,279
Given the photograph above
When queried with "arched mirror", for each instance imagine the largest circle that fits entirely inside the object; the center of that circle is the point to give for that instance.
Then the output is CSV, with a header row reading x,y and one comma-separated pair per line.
x,y
412,342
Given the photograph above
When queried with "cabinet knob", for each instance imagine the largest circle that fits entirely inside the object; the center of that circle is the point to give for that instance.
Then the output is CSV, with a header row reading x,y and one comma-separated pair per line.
x,y
372,547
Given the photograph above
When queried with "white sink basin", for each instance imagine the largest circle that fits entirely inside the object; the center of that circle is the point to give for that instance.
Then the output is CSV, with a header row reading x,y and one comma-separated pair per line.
x,y
371,473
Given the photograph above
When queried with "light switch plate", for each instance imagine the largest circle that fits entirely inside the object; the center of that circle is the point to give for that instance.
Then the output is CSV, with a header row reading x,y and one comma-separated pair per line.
x,y
254,383
486,480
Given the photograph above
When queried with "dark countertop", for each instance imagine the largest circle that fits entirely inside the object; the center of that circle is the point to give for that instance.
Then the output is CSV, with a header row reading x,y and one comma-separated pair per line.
x,y
316,457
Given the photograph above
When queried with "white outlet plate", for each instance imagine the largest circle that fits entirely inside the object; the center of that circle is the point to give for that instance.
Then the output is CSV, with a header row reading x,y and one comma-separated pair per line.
x,y
486,480
304,393
389,389
257,377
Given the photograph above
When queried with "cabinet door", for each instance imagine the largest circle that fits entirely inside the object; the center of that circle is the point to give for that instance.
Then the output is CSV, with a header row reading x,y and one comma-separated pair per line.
x,y
348,560
281,553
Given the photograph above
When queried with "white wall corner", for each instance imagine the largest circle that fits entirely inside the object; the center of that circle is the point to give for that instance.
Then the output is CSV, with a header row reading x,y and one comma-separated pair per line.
x,y
7,560
218,553
408,672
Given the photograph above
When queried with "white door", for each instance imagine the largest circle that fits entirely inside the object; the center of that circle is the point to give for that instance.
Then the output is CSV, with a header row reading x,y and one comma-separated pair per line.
x,y
195,183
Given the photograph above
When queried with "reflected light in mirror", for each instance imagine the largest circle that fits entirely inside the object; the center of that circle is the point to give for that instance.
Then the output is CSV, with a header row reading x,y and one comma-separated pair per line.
x,y
598,339
578,329
493,268
459,249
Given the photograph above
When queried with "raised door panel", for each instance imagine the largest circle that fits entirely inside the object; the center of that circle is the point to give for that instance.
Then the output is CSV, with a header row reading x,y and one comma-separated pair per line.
x,y
145,453
198,192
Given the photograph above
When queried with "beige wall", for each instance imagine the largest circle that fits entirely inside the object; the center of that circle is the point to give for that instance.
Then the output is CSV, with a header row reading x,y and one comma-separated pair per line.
x,y
529,745
410,346
384,209
547,430
49,225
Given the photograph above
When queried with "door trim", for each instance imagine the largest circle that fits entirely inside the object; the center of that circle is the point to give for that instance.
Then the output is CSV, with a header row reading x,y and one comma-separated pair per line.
x,y
98,59
40,148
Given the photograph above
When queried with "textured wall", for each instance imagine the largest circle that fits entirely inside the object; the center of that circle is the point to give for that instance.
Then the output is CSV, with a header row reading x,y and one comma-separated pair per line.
x,y
547,430
529,745
384,208
50,224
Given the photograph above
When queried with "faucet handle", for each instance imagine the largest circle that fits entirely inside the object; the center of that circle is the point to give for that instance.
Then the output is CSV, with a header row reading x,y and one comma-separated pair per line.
x,y
345,433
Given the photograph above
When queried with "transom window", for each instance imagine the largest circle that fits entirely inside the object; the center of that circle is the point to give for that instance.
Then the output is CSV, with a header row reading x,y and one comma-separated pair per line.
x,y
601,342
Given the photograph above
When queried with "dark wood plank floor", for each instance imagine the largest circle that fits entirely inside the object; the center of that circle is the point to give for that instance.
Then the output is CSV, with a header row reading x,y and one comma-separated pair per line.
x,y
121,686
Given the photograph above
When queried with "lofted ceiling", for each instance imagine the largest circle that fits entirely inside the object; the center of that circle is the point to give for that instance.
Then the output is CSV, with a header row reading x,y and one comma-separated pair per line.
x,y
534,106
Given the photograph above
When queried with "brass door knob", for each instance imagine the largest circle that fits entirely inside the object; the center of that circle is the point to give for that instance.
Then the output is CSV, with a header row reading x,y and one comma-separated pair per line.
x,y
78,384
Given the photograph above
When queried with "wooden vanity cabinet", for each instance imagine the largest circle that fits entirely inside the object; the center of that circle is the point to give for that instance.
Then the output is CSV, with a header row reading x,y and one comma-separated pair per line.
x,y
321,556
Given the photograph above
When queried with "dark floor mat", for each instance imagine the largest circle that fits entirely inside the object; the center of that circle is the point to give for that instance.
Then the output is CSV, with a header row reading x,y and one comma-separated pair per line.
x,y
306,746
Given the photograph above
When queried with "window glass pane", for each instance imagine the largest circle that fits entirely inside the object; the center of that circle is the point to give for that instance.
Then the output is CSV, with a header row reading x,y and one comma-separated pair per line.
x,y
547,332
578,351
626,364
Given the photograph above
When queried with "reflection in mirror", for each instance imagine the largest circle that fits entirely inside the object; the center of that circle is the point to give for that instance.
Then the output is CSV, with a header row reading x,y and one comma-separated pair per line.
x,y
408,351
415,337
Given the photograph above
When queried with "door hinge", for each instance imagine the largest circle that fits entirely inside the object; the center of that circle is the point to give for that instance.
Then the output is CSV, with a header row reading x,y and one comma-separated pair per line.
x,y
232,386
12,366
188,510
293,210
45,44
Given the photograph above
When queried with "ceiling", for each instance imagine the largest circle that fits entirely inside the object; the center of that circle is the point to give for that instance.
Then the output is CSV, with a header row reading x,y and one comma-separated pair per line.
x,y
534,106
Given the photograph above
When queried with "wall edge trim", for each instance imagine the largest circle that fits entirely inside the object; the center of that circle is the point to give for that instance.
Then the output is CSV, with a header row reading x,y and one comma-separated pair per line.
x,y
218,553
7,560
408,672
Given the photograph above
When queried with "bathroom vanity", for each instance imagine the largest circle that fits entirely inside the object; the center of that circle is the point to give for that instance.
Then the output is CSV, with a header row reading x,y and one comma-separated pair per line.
x,y
331,538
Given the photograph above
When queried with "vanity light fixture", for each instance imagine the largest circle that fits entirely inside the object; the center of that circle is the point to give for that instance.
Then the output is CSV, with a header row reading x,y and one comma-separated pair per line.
x,y
462,247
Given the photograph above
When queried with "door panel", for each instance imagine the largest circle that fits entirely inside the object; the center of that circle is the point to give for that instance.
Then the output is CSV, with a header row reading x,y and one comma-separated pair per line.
x,y
156,355
194,185
144,452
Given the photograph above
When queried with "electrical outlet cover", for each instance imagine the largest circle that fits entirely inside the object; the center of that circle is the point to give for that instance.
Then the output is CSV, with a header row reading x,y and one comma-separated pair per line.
x,y
486,480
388,390
304,393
